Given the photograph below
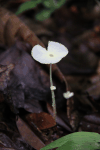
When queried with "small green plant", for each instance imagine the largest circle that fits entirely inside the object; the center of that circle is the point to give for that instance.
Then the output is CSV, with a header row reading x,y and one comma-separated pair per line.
x,y
54,53
50,5
76,141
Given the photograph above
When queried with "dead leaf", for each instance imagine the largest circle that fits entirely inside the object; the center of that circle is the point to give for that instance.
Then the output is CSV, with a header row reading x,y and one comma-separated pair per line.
x,y
28,135
42,120
14,26
91,123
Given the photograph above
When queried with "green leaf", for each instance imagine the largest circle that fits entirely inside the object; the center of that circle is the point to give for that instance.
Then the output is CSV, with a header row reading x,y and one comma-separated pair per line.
x,y
26,6
49,3
44,14
37,1
60,3
76,141
53,4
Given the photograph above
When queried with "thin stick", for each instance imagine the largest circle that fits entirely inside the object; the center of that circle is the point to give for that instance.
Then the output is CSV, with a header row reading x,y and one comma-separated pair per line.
x,y
53,95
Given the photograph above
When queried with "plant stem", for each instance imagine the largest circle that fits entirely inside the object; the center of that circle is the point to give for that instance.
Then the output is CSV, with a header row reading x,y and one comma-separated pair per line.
x,y
53,95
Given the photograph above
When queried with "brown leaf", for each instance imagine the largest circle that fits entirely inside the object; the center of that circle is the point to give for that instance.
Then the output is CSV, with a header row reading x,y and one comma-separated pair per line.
x,y
14,26
42,120
28,135
2,40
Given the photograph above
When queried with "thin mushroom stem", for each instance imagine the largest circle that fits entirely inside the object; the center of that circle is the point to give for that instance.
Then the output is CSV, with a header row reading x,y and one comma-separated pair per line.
x,y
53,95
